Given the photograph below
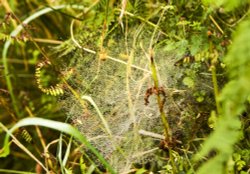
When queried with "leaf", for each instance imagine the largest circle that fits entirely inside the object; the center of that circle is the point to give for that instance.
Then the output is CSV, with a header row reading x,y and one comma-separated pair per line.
x,y
216,169
226,132
141,171
238,57
189,82
182,46
229,5
196,42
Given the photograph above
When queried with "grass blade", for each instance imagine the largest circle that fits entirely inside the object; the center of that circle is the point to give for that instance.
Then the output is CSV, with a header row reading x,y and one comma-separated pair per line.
x,y
63,127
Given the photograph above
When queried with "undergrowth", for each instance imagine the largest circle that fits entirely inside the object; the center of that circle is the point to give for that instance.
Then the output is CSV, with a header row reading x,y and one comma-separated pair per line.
x,y
151,86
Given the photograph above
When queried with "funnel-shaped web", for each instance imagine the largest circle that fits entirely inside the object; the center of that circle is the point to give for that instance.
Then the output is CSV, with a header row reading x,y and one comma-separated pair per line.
x,y
118,90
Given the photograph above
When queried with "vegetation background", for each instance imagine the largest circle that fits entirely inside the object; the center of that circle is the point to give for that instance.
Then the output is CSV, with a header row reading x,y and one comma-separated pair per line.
x,y
127,86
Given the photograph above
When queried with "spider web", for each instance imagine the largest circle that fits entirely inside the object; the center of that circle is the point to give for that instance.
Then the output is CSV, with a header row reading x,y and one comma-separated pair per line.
x,y
119,90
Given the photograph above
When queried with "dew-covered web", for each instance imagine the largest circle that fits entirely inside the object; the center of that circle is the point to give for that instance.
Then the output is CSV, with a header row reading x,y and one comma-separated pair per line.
x,y
118,90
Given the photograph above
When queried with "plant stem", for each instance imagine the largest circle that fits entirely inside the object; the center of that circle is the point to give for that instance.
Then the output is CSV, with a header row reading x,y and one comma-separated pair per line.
x,y
160,102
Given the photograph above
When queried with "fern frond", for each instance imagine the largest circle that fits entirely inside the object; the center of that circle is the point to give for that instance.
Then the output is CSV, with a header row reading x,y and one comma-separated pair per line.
x,y
54,90
26,135
233,97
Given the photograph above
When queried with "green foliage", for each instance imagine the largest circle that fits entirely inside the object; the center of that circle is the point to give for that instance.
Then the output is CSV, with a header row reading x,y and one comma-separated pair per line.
x,y
63,127
233,97
227,4
113,57
188,82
